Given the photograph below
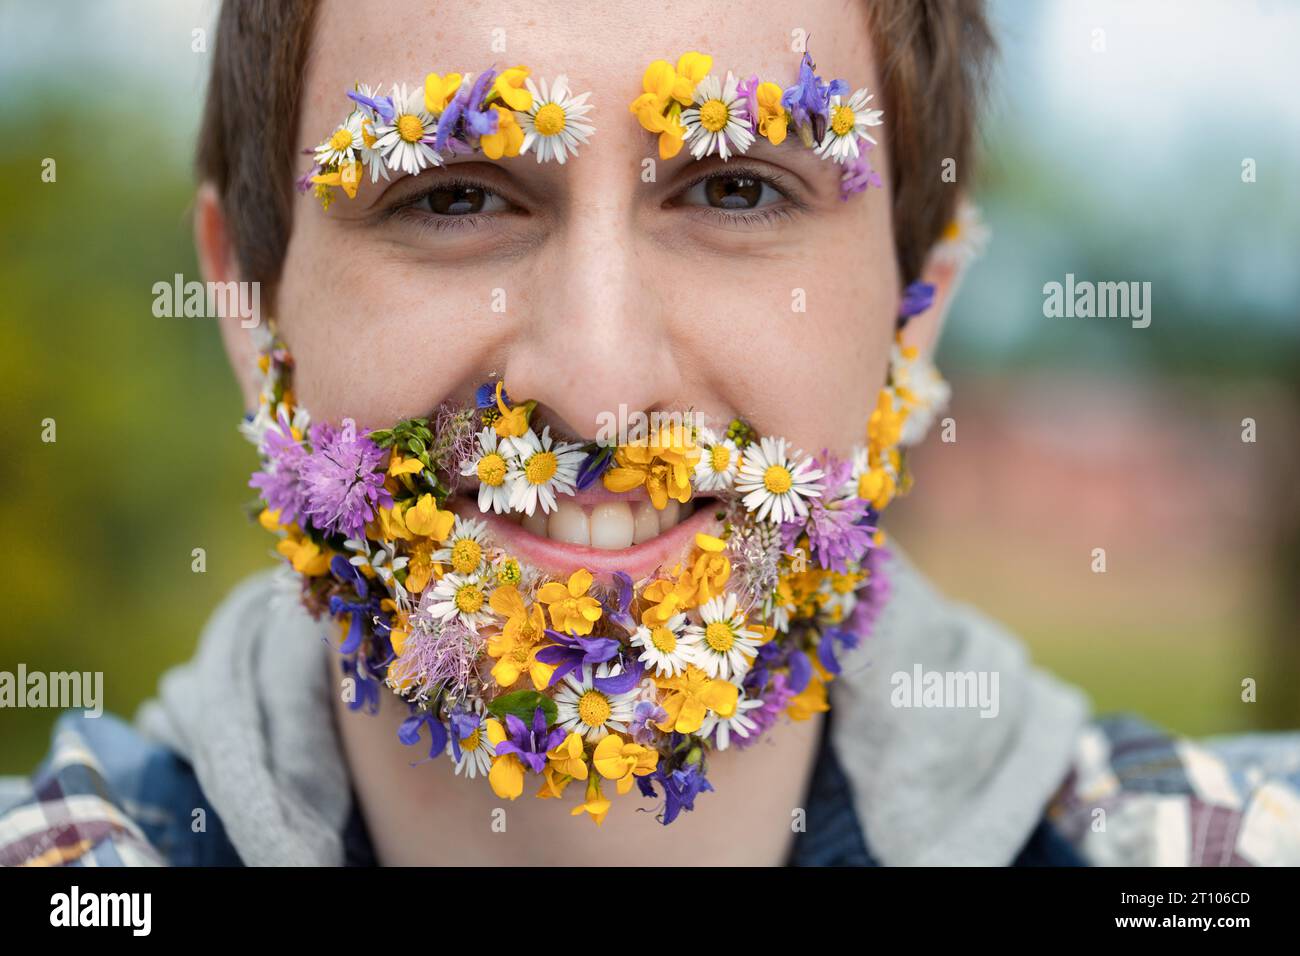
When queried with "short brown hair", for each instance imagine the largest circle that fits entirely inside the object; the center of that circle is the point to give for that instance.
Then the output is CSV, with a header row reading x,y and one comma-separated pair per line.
x,y
933,58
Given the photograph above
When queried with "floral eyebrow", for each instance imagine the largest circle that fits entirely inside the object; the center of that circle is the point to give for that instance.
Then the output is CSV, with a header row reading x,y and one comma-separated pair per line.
x,y
498,114
687,105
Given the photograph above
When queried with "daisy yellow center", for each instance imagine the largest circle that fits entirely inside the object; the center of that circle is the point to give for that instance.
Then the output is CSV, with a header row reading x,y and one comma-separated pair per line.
x,y
720,457
719,636
842,121
541,468
409,127
341,139
713,115
472,742
465,555
549,119
469,599
663,639
593,708
492,469
777,479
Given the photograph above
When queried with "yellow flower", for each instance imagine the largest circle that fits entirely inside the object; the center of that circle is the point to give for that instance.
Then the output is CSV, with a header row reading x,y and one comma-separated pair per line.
x,y
694,693
617,759
662,463
398,466
438,90
508,137
573,611
709,571
509,85
667,90
595,804
348,176
812,699
885,426
517,645
878,487
771,114
421,567
426,520
507,773
306,556
513,421
665,598
564,764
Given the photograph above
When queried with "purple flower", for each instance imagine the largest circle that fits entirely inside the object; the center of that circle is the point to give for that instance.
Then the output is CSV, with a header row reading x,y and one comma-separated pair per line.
x,y
747,90
570,652
362,610
617,610
775,699
681,787
465,104
594,465
645,715
409,732
859,173
437,657
344,481
367,687
809,99
530,744
839,528
917,297
382,106
281,482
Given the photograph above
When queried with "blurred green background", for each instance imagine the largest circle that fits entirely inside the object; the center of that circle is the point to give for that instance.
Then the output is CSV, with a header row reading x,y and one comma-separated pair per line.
x,y
1122,164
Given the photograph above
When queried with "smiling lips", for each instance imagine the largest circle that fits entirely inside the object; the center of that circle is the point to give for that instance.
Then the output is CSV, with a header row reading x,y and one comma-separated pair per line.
x,y
599,530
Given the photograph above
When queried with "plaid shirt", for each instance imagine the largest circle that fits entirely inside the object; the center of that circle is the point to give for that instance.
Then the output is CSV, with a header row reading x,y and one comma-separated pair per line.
x,y
1136,796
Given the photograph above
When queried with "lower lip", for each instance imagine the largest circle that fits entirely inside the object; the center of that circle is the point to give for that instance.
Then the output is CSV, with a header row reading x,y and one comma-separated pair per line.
x,y
561,559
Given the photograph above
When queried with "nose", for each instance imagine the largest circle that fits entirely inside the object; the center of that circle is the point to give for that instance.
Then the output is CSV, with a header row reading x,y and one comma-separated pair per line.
x,y
595,335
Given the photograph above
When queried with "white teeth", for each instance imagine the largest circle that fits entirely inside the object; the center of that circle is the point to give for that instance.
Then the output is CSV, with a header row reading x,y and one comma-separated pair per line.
x,y
612,526
645,522
669,517
569,524
536,523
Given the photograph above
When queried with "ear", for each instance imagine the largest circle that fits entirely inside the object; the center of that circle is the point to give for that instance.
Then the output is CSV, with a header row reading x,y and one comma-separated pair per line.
x,y
218,264
944,272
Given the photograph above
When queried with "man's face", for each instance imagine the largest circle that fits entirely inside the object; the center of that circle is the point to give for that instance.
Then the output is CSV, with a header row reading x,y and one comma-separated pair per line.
x,y
615,279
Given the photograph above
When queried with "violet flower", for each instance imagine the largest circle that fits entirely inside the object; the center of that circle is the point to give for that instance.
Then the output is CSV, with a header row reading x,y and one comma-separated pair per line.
x,y
775,699
917,297
530,744
362,610
642,727
381,105
367,687
859,173
681,787
594,465
748,91
618,612
570,652
409,732
465,104
344,481
808,101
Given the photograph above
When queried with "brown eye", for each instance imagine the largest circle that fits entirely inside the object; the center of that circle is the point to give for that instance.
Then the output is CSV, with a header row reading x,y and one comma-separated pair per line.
x,y
457,200
733,192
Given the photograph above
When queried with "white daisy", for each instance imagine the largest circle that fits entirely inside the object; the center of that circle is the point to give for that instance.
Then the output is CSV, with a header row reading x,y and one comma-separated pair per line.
x,y
718,120
775,484
460,597
718,462
371,156
402,141
849,121
490,465
590,712
723,646
738,723
965,238
465,548
539,470
476,751
667,647
926,392
383,560
344,143
556,122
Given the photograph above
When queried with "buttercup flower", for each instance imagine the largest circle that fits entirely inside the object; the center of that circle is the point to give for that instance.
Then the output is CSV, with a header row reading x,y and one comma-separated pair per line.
x,y
691,695
617,759
556,122
572,609
662,463
521,637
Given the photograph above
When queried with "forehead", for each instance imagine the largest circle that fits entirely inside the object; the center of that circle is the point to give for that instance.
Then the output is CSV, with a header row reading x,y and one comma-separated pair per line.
x,y
603,47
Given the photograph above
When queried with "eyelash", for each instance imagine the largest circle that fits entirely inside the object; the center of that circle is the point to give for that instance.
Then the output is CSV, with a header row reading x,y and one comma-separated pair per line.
x,y
406,211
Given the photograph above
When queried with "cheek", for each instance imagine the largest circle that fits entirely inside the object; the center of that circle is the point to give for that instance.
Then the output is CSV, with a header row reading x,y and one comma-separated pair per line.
x,y
379,334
